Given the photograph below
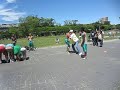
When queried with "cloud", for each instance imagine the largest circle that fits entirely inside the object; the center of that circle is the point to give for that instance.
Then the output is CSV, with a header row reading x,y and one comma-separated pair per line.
x,y
10,14
11,1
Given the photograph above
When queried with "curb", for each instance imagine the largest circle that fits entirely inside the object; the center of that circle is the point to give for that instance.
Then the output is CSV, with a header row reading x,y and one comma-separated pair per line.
x,y
65,45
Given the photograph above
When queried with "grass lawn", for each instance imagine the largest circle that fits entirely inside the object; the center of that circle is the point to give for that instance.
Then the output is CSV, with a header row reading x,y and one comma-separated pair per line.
x,y
43,41
39,41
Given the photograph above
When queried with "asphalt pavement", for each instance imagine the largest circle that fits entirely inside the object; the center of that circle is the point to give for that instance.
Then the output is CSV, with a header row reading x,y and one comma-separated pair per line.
x,y
53,68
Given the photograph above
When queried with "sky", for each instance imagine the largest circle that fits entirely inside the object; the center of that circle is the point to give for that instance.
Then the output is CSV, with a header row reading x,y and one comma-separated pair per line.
x,y
85,11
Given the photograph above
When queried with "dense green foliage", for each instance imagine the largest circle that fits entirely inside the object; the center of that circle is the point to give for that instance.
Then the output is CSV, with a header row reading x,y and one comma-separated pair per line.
x,y
48,26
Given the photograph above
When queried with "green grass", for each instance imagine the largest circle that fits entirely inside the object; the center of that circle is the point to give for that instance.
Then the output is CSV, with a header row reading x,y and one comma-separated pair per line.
x,y
39,41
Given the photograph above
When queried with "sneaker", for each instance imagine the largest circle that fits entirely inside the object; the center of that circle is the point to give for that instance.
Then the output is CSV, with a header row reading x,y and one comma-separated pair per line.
x,y
80,54
0,62
12,60
27,58
7,61
84,58
68,52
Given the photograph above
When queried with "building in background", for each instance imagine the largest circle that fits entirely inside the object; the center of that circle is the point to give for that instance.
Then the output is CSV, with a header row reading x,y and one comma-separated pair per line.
x,y
5,27
104,20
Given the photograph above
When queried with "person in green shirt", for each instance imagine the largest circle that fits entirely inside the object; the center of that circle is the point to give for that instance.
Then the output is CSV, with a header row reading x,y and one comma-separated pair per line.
x,y
17,52
20,53
67,42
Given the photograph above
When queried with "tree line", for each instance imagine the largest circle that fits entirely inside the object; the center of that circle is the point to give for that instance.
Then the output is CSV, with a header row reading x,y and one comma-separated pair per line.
x,y
48,26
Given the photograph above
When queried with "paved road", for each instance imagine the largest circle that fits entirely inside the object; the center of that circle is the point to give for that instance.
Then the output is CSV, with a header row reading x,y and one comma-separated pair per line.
x,y
54,69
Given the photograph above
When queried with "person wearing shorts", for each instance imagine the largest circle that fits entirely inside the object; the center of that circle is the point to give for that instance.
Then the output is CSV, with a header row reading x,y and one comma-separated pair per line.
x,y
84,42
31,45
9,49
3,51
75,41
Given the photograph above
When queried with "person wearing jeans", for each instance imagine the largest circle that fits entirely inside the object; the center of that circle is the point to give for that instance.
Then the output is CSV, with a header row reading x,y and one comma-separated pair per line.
x,y
74,38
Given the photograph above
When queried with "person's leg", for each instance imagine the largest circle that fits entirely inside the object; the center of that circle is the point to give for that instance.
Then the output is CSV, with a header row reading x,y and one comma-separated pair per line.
x,y
96,41
0,57
11,55
24,54
101,43
68,48
29,45
77,47
85,49
73,47
6,56
33,46
93,41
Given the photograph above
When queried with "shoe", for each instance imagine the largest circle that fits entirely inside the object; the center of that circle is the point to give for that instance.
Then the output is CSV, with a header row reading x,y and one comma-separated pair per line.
x,y
8,61
12,60
27,58
84,58
80,54
0,62
68,52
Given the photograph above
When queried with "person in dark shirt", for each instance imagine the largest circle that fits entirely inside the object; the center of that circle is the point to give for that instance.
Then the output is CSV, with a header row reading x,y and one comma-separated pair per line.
x,y
14,39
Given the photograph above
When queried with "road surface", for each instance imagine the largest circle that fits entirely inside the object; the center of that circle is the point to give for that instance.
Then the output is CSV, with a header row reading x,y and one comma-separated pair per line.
x,y
54,69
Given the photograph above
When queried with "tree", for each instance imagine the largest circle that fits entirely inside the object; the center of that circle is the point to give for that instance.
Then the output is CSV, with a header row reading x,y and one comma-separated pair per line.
x,y
29,24
70,22
44,22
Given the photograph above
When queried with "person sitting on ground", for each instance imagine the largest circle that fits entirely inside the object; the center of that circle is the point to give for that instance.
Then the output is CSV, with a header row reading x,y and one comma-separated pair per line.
x,y
3,51
67,42
9,49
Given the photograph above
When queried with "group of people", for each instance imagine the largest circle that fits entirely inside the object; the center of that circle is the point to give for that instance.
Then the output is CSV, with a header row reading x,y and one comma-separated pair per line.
x,y
97,37
14,52
75,42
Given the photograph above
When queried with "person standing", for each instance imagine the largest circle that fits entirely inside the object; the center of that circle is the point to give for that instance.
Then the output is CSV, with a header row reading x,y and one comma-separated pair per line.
x,y
31,45
96,38
100,37
92,35
14,39
75,40
84,42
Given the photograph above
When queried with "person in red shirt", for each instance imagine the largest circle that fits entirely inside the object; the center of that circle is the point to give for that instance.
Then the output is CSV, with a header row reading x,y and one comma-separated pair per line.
x,y
3,51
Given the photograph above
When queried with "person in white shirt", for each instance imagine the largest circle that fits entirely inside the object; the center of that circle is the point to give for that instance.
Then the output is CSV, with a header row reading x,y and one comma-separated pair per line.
x,y
75,40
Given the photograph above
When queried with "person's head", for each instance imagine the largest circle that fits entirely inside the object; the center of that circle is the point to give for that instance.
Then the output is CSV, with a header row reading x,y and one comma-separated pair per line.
x,y
67,35
13,35
30,34
82,29
70,32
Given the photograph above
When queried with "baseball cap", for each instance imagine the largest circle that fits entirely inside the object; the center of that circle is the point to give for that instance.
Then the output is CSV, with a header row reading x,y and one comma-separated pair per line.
x,y
71,31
